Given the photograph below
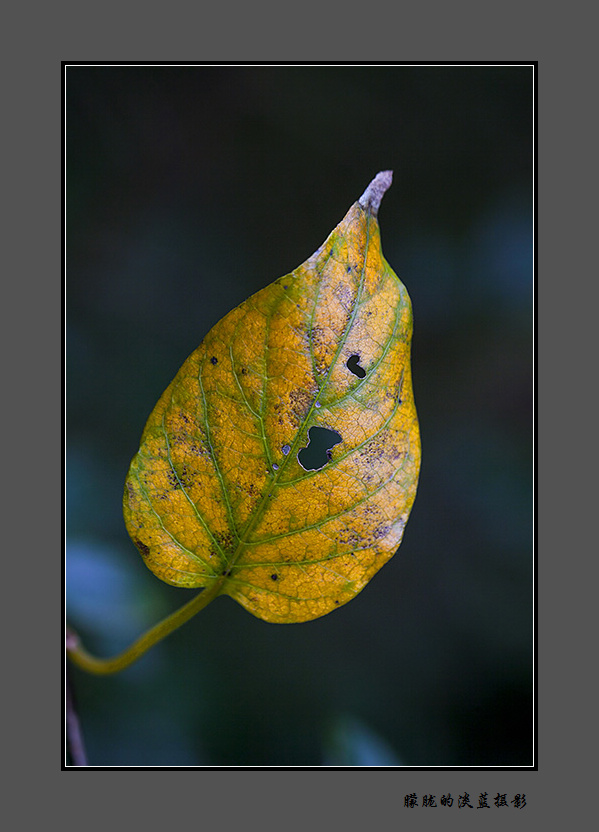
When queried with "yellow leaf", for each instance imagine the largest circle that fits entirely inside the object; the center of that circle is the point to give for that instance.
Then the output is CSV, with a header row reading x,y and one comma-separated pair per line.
x,y
222,490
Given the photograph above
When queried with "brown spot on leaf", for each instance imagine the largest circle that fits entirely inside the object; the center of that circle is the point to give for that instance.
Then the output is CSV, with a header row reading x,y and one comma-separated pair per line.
x,y
300,402
345,295
348,538
145,550
173,479
224,540
186,478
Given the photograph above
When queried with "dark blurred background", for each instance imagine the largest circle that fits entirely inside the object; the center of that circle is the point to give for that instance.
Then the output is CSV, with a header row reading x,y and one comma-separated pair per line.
x,y
188,189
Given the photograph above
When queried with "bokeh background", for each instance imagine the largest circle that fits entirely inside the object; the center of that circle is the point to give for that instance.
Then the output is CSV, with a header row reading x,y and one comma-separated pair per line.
x,y
188,189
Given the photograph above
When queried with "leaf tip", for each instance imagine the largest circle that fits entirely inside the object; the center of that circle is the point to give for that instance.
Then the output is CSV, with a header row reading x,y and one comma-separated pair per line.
x,y
372,196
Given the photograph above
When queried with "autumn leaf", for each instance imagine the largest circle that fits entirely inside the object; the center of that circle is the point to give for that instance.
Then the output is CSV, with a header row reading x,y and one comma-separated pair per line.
x,y
281,463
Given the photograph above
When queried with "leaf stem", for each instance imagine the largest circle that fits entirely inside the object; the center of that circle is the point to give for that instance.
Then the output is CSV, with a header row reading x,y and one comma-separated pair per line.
x,y
92,664
74,735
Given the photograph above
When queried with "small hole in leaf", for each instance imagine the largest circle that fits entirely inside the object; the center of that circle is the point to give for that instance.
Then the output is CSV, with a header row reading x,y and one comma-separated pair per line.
x,y
317,452
353,364
285,449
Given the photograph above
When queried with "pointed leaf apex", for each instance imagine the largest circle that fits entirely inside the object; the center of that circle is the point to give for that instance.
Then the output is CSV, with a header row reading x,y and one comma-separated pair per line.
x,y
372,196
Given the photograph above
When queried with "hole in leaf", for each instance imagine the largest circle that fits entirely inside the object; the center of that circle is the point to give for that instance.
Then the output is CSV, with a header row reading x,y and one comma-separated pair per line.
x,y
353,364
317,452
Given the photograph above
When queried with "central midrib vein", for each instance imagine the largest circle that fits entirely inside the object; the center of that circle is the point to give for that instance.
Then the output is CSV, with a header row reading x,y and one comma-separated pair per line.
x,y
257,514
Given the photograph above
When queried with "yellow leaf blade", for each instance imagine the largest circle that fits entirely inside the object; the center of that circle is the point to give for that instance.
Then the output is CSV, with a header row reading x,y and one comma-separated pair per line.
x,y
217,491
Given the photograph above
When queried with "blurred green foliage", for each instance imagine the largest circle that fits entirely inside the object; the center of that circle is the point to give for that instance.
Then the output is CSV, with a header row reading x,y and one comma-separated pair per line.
x,y
189,188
